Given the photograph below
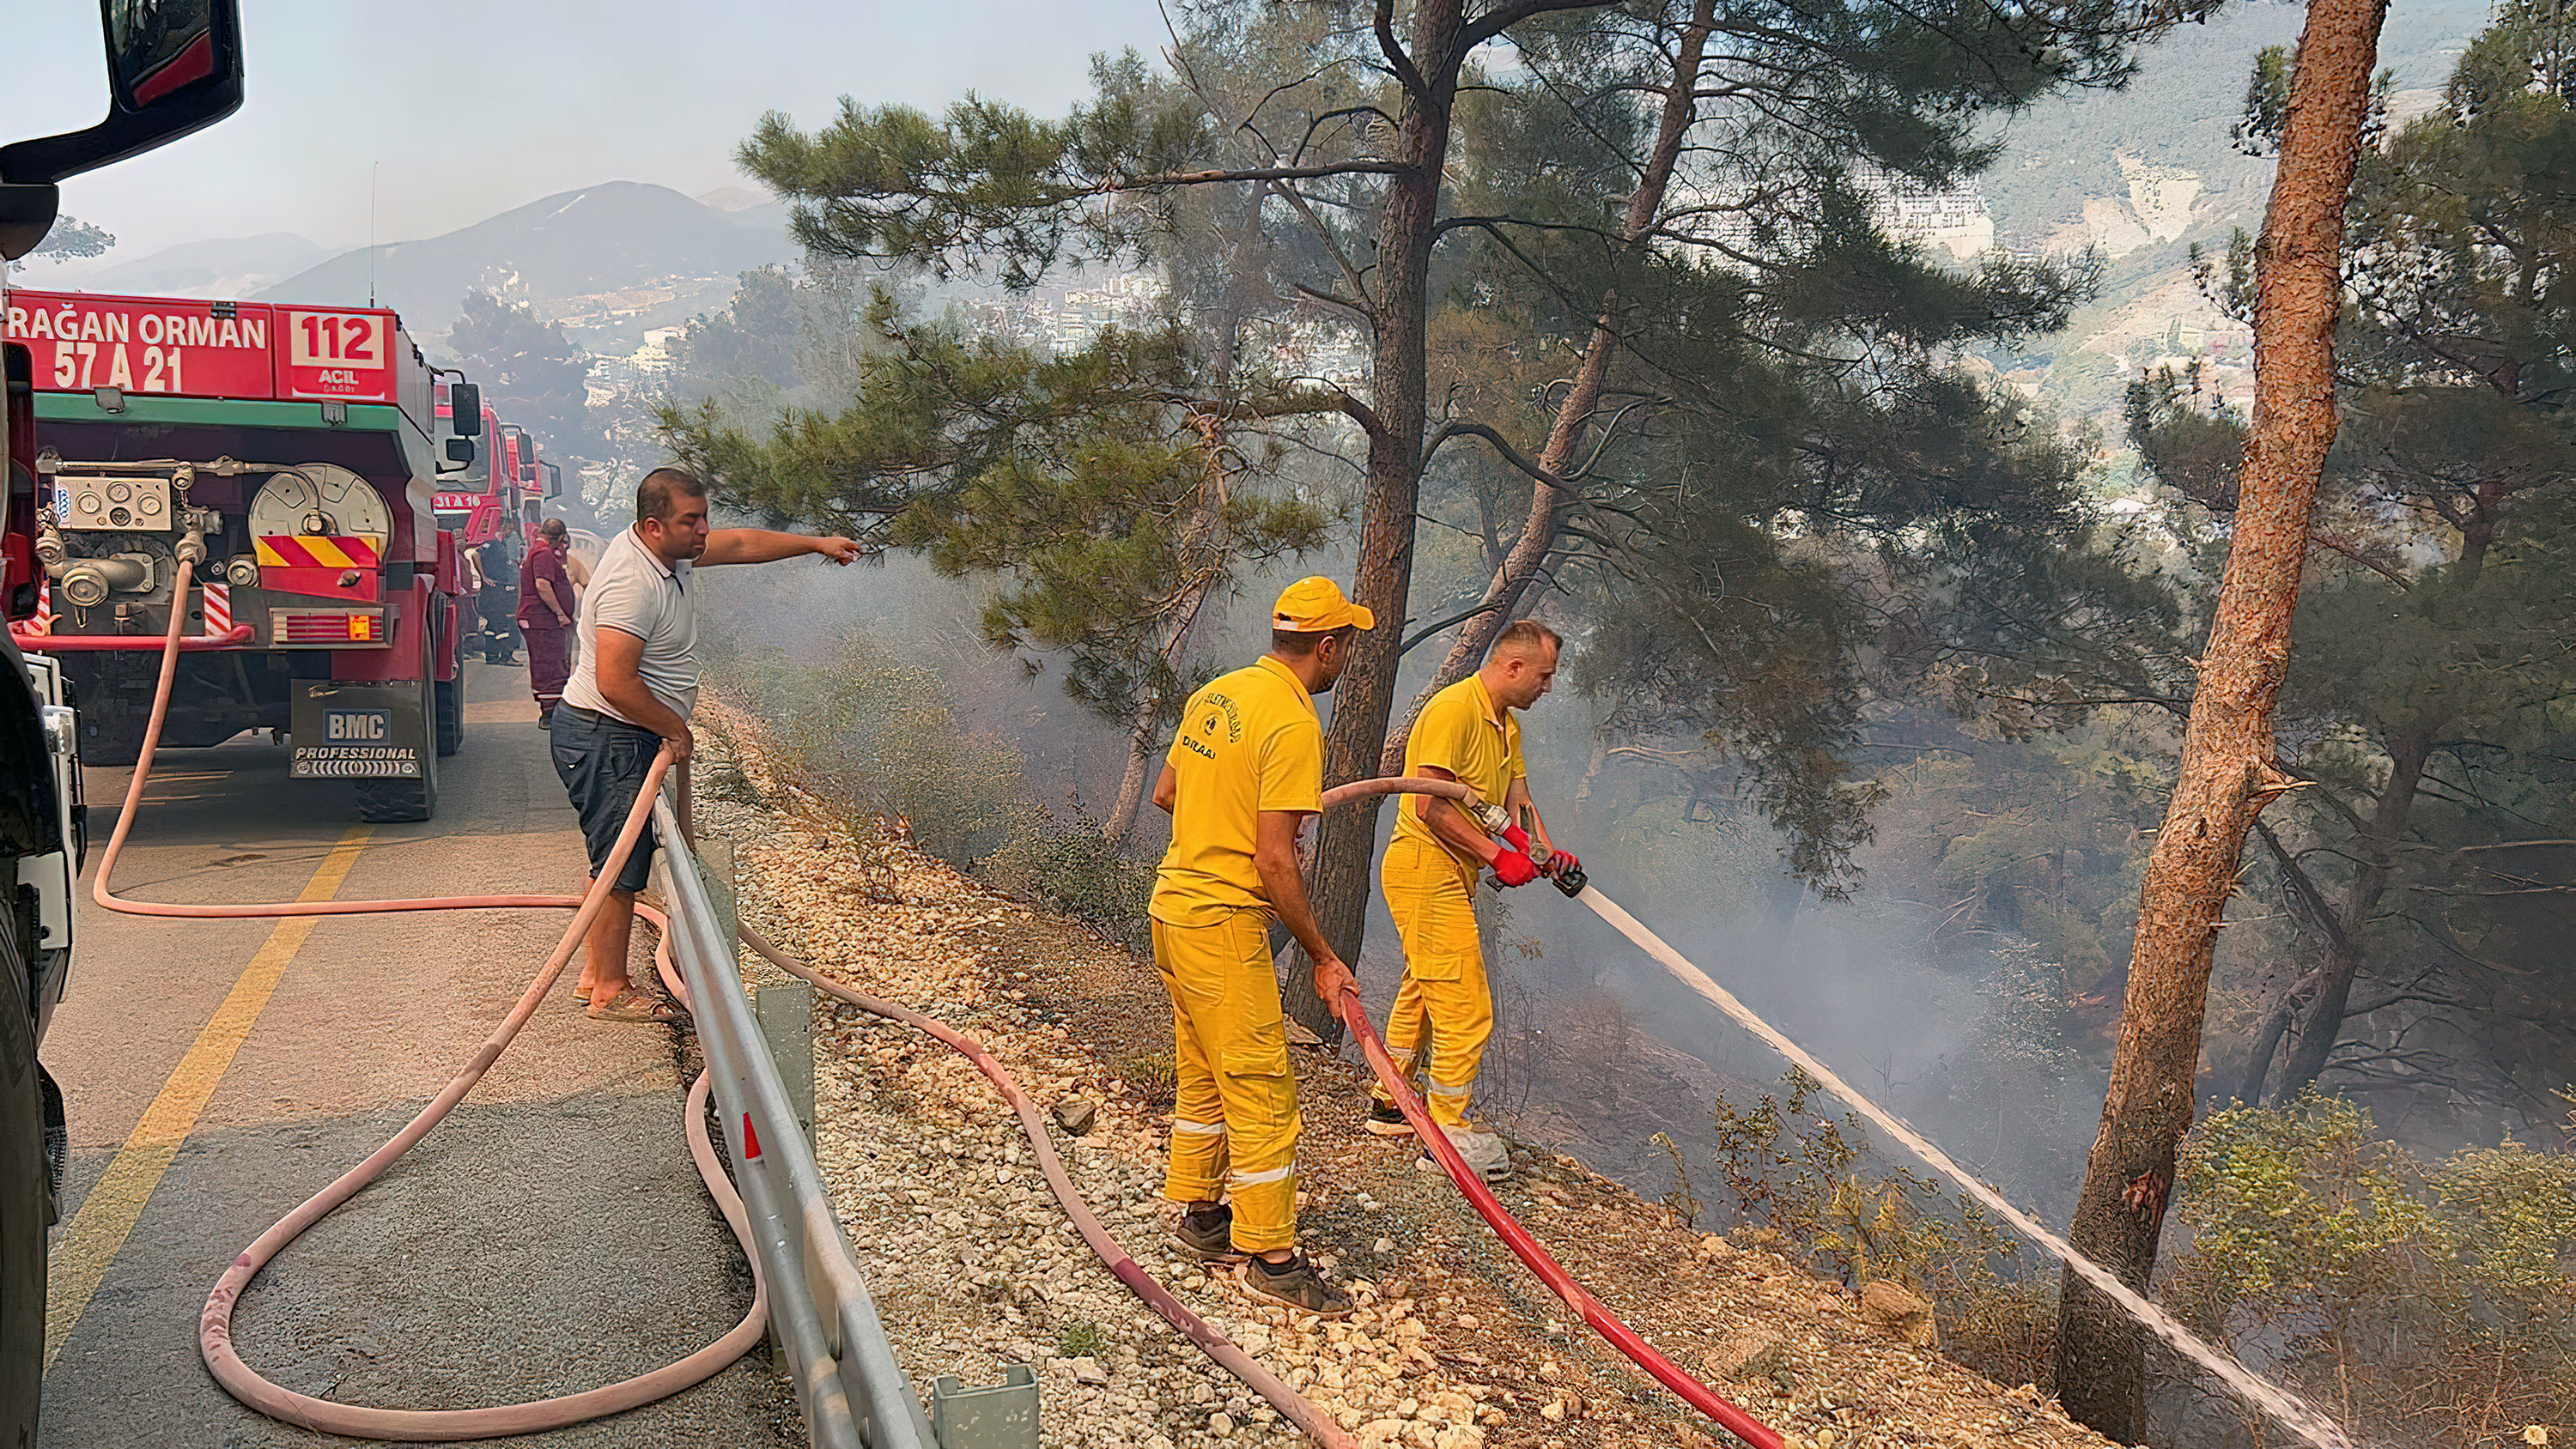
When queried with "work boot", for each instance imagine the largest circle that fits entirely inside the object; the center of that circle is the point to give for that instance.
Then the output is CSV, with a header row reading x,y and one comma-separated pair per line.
x,y
1295,1284
1484,1152
1207,1234
1386,1120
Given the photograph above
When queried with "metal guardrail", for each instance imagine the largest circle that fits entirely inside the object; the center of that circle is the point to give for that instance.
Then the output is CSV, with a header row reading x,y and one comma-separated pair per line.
x,y
854,1394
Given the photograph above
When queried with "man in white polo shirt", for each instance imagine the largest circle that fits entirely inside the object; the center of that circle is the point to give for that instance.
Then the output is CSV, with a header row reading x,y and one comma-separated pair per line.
x,y
631,693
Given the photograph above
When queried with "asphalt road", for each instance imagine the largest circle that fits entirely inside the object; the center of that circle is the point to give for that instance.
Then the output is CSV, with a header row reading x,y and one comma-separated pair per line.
x,y
550,1237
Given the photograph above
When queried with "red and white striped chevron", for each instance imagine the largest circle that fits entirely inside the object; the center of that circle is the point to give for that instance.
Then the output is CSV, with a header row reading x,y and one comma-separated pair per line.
x,y
219,608
44,622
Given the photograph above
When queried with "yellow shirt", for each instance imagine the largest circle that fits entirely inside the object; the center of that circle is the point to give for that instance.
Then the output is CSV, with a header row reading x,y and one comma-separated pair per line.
x,y
1461,732
1248,742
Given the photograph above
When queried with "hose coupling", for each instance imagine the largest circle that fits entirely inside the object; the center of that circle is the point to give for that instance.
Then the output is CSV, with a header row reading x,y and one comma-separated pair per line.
x,y
1570,880
50,551
88,582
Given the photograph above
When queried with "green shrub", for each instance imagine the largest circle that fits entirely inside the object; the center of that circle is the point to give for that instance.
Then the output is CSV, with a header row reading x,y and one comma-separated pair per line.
x,y
2430,1305
1069,866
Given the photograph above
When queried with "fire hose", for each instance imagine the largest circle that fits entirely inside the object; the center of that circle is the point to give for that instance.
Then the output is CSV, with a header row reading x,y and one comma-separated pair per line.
x,y
214,1335
215,1338
1291,1405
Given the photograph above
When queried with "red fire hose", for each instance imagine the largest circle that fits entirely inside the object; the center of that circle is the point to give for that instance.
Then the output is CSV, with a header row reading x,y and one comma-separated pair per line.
x,y
1515,1237
1289,1403
1524,1247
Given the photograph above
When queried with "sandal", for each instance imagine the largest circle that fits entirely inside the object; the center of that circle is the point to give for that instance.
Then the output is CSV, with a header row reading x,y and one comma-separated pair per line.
x,y
633,1005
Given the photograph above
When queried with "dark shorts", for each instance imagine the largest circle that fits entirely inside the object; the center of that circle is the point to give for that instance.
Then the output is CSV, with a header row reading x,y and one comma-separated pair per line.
x,y
603,762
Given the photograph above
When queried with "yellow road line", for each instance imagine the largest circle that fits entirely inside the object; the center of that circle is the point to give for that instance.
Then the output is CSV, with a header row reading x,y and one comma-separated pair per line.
x,y
85,1246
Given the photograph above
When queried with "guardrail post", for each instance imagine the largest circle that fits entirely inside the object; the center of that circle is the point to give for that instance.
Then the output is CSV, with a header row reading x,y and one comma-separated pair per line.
x,y
715,868
786,1015
996,1416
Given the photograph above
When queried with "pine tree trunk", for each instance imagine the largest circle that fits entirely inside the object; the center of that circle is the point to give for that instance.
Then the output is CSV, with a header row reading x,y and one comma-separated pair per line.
x,y
1131,785
2227,775
2408,752
1548,502
2324,1023
1338,866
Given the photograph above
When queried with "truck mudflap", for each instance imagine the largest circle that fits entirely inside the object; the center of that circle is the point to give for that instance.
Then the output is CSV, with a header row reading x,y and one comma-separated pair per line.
x,y
346,731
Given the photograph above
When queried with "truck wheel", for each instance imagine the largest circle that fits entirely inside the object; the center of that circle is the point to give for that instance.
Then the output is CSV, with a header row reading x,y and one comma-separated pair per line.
x,y
451,714
115,704
391,802
395,800
26,1206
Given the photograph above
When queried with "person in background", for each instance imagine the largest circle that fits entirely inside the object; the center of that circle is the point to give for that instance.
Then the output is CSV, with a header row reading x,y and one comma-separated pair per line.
x,y
498,600
1444,1010
547,607
631,695
1245,771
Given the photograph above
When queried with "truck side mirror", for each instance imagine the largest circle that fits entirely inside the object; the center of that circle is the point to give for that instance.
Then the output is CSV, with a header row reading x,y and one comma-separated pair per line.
x,y
460,451
172,67
464,404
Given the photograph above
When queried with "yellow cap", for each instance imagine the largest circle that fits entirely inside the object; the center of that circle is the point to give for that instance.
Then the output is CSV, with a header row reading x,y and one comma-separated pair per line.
x,y
1315,605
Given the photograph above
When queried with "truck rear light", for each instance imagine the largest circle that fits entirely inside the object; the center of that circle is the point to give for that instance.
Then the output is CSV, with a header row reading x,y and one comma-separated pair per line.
x,y
327,627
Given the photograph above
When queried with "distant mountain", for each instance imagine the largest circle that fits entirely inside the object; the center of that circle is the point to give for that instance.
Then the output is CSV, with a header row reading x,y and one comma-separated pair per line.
x,y
610,260
227,268
745,207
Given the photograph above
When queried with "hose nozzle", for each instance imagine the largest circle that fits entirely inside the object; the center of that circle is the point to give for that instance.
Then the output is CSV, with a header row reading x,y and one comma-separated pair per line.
x,y
1570,880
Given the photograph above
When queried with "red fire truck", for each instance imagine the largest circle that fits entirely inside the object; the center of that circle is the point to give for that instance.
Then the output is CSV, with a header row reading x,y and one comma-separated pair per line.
x,y
289,451
500,496
171,69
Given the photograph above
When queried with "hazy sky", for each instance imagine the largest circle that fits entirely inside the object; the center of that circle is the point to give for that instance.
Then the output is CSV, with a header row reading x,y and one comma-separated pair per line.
x,y
476,106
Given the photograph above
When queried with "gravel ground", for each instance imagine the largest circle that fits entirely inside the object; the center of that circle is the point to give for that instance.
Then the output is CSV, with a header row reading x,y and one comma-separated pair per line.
x,y
1454,1344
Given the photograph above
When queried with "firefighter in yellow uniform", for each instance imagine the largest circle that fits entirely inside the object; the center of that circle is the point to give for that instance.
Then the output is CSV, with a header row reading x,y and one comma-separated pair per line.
x,y
1444,1011
1245,770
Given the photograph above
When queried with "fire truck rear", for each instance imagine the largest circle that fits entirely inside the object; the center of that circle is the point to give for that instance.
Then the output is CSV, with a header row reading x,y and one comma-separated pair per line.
x,y
287,452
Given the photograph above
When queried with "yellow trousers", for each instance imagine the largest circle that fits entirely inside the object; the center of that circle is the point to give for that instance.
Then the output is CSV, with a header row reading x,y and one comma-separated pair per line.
x,y
1234,1113
1444,1011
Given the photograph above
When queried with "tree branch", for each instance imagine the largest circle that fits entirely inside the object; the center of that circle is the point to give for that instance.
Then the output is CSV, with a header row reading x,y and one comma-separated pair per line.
x,y
1260,173
1427,630
1500,444
1503,17
1396,59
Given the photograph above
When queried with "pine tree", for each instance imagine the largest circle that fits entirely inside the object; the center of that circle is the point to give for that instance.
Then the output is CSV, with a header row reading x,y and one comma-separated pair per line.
x,y
1104,485
2444,504
2227,775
